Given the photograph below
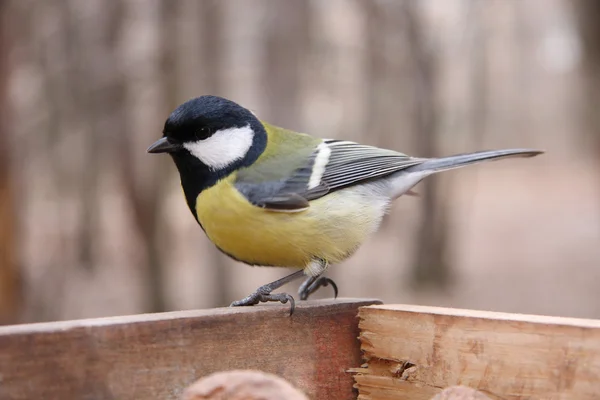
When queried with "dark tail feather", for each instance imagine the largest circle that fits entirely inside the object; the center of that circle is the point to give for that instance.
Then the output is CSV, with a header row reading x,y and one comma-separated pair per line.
x,y
461,160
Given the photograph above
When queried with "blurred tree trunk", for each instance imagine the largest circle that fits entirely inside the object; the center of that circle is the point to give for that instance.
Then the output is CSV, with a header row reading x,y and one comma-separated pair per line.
x,y
286,41
147,197
10,290
386,64
588,15
431,265
146,191
97,93
375,71
385,73
479,94
212,43
44,297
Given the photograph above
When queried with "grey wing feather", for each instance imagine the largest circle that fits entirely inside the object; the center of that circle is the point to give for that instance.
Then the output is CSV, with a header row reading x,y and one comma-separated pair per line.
x,y
352,163
346,164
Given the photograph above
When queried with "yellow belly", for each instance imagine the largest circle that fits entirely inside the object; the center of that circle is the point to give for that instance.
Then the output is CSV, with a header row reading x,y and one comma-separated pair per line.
x,y
332,228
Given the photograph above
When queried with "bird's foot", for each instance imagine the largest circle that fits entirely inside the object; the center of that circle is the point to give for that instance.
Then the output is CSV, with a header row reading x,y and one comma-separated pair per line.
x,y
312,284
263,295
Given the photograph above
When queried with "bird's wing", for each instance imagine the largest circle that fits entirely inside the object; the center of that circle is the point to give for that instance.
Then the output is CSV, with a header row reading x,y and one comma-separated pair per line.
x,y
333,165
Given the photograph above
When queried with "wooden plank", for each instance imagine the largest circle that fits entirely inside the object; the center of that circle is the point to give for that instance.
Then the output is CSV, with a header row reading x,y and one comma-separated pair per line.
x,y
414,352
155,356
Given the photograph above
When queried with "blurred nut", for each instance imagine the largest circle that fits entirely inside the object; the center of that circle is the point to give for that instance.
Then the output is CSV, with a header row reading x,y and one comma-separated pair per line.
x,y
242,385
460,393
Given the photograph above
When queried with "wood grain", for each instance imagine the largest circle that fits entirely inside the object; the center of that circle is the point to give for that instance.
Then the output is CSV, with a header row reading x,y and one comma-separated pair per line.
x,y
414,352
155,356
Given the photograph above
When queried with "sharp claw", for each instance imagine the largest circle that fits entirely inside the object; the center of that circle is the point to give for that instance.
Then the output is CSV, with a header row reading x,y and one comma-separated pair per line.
x,y
320,282
335,288
284,298
292,304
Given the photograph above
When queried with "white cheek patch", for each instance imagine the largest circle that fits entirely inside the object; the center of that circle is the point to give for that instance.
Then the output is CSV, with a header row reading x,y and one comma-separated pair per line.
x,y
223,148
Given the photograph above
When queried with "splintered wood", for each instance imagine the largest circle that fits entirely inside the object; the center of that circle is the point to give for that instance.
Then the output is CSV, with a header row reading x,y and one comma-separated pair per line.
x,y
415,352
156,356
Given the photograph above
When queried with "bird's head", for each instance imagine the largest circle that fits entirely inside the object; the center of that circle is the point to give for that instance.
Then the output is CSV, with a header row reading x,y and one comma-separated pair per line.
x,y
213,132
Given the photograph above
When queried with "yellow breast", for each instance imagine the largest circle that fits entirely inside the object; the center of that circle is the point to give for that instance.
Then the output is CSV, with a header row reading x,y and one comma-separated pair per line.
x,y
331,229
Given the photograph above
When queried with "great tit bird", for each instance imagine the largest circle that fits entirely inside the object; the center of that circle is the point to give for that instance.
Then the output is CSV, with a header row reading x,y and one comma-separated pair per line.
x,y
268,196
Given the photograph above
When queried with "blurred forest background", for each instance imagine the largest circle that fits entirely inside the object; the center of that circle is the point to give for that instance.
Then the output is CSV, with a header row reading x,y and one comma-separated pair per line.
x,y
91,225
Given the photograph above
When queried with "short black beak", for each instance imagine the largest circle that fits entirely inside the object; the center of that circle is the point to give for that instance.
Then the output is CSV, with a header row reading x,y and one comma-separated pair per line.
x,y
164,145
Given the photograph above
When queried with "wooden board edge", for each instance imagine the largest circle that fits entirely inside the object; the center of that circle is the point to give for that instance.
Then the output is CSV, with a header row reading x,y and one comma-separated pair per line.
x,y
301,307
481,314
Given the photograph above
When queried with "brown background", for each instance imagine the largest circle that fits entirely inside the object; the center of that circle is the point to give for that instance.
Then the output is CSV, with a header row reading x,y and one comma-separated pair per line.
x,y
90,225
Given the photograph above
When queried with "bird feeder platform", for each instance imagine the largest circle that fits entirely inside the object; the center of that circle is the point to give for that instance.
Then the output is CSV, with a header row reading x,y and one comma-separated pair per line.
x,y
333,350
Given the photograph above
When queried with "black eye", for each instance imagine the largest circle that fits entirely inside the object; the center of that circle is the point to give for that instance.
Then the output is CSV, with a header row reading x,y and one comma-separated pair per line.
x,y
203,133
